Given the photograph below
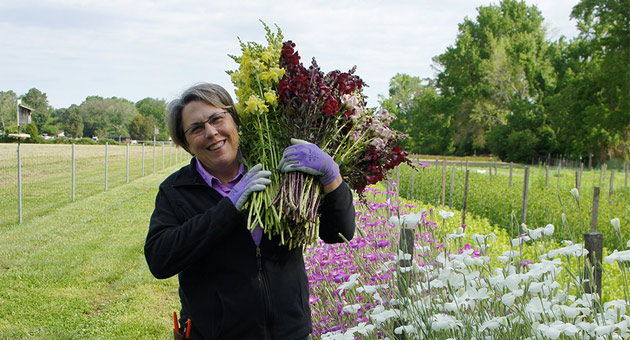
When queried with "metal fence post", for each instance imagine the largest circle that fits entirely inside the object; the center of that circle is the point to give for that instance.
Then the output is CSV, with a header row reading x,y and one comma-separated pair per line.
x,y
106,164
525,187
19,158
73,173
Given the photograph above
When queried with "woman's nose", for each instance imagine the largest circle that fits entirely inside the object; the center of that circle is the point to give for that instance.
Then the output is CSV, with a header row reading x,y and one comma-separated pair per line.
x,y
210,130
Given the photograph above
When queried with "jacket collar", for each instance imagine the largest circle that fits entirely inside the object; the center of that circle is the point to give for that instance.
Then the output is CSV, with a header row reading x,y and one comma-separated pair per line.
x,y
189,175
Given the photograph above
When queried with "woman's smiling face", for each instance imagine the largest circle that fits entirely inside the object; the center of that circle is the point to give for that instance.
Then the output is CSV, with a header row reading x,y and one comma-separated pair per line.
x,y
212,136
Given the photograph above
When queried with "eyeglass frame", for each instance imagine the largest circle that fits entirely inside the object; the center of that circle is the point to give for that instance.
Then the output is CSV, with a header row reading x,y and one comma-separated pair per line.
x,y
212,121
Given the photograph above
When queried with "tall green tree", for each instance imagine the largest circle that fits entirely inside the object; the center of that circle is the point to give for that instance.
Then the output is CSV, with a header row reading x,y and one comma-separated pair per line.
x,y
106,116
156,110
73,125
141,128
8,109
38,101
497,73
418,108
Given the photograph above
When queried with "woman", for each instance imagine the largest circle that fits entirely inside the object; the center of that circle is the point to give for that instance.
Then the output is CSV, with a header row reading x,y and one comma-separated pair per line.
x,y
234,284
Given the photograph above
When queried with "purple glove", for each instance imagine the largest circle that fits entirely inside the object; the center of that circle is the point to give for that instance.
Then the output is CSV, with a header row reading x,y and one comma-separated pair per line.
x,y
254,180
310,159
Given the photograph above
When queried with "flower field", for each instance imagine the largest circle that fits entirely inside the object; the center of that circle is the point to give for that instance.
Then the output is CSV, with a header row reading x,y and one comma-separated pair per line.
x,y
471,282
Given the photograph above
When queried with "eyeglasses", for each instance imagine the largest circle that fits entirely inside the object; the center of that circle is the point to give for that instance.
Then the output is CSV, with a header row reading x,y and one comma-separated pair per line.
x,y
198,128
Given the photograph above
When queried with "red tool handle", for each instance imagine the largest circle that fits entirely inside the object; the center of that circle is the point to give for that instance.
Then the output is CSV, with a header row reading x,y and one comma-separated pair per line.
x,y
175,322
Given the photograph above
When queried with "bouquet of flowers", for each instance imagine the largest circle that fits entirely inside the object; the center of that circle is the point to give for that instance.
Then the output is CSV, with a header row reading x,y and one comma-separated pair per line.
x,y
279,99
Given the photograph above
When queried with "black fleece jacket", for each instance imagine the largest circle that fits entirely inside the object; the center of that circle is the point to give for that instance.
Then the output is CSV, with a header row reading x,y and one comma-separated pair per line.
x,y
229,288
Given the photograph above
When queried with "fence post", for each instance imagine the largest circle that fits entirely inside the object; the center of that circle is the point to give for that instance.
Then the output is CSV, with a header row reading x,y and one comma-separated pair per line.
x,y
466,165
450,200
405,246
127,162
154,157
495,167
106,163
612,180
559,166
547,176
510,182
73,173
142,159
577,180
525,187
443,182
170,154
413,176
626,170
19,159
593,242
490,171
581,171
465,198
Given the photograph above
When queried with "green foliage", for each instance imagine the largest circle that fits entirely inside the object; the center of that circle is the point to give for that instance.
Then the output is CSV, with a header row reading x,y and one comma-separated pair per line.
x,y
7,109
141,128
502,81
547,200
73,126
50,130
38,101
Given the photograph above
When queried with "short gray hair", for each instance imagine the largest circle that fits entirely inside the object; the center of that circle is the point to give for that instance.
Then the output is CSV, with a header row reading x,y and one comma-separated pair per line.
x,y
212,94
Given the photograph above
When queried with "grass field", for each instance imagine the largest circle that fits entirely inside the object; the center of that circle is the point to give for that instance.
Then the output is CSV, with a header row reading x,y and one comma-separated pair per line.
x,y
47,174
78,272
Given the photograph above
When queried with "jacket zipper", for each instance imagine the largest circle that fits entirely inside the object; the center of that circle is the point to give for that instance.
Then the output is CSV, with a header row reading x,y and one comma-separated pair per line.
x,y
262,278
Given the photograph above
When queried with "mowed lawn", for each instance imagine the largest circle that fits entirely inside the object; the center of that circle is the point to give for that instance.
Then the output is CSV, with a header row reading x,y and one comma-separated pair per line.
x,y
79,272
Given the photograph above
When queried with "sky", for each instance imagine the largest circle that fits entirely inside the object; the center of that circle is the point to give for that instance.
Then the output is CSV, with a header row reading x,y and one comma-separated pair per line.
x,y
72,49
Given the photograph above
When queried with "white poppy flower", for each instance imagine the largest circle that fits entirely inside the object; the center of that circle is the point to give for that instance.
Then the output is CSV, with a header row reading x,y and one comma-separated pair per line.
x,y
549,332
446,214
442,321
549,229
408,329
508,299
576,194
619,256
615,224
352,309
395,221
352,281
575,250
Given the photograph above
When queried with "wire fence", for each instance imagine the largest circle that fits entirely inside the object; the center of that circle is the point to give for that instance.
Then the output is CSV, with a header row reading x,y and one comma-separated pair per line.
x,y
53,175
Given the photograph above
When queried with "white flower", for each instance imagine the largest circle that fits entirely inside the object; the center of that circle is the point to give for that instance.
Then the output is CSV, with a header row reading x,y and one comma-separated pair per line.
x,y
409,329
508,299
494,323
352,281
446,214
352,309
549,229
549,332
619,256
519,240
575,250
443,321
481,239
511,253
576,194
380,314
615,223
628,244
362,328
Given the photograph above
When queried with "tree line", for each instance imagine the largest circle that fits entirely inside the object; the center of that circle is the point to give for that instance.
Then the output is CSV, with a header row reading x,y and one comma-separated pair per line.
x,y
94,117
503,88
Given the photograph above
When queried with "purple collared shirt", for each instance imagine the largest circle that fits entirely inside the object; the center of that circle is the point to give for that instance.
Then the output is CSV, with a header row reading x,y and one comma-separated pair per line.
x,y
224,190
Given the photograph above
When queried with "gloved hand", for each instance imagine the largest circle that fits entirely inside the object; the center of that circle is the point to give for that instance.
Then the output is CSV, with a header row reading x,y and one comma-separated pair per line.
x,y
308,158
254,180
